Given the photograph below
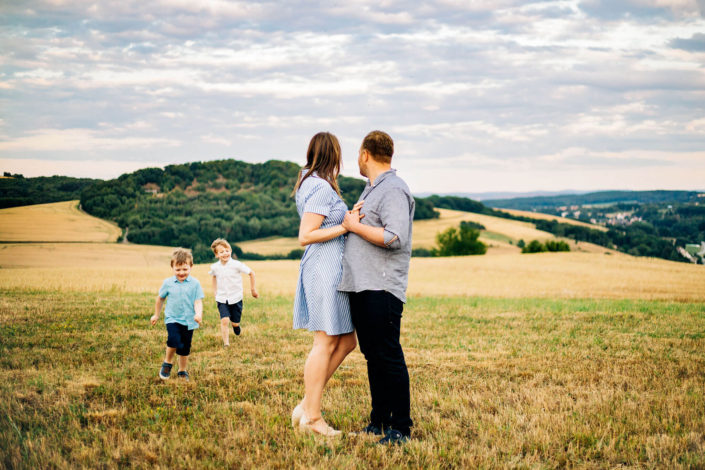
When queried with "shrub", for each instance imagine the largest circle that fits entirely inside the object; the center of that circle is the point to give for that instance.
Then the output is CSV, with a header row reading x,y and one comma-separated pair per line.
x,y
422,253
459,242
534,246
557,245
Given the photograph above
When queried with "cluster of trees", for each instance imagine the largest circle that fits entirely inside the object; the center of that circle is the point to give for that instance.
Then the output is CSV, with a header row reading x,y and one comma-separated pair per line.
x,y
639,239
16,190
684,222
535,246
659,238
456,241
191,204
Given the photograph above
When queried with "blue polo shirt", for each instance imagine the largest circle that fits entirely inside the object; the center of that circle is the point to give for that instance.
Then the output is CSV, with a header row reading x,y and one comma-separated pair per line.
x,y
180,299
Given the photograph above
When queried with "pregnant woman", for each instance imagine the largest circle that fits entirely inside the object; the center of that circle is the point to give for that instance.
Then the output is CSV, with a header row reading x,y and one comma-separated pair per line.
x,y
318,306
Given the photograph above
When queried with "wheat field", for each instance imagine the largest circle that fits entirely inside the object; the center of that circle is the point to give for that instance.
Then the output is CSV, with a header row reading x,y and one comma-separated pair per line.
x,y
122,268
54,222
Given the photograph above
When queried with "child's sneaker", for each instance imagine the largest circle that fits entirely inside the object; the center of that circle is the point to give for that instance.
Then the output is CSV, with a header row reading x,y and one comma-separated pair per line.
x,y
183,375
237,330
165,371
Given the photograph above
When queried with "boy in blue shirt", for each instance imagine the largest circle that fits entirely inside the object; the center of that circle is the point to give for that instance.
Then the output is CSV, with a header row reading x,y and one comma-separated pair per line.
x,y
183,312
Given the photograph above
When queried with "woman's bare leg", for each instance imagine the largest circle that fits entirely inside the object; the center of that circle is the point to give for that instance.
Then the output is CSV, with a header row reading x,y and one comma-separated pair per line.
x,y
345,346
316,373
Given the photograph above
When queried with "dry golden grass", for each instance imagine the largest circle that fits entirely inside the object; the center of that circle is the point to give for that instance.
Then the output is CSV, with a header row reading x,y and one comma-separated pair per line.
x,y
495,383
271,245
131,268
425,231
85,255
499,232
563,220
55,222
548,360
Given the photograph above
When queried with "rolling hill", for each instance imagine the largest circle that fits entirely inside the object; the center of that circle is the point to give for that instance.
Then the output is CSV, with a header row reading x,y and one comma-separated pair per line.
x,y
192,204
590,271
500,234
54,222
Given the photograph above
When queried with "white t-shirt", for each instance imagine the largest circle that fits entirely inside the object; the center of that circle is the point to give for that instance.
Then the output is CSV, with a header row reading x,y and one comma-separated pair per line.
x,y
229,280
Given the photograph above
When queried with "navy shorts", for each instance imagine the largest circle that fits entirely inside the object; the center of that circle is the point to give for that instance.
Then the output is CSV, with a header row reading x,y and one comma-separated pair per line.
x,y
179,337
232,311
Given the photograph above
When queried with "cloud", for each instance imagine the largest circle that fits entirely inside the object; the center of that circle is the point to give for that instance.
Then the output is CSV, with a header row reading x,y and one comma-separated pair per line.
x,y
493,84
51,140
696,43
102,169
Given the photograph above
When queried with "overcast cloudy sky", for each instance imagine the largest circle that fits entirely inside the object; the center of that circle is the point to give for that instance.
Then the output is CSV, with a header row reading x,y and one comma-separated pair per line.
x,y
479,95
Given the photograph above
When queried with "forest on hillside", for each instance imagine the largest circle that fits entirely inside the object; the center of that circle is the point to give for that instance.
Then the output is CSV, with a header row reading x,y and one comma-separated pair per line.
x,y
16,190
540,203
192,204
649,229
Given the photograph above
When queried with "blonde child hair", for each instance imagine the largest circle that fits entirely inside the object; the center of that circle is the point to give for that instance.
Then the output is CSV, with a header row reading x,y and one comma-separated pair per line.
x,y
181,256
222,242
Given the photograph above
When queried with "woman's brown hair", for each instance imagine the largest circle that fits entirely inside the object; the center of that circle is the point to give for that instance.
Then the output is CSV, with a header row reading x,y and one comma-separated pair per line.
x,y
323,157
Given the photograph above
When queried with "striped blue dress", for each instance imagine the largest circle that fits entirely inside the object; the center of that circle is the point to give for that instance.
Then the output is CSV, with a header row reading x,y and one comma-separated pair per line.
x,y
318,305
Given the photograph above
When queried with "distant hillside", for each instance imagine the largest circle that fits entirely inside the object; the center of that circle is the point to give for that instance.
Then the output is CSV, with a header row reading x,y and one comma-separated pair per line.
x,y
601,197
192,204
16,190
486,196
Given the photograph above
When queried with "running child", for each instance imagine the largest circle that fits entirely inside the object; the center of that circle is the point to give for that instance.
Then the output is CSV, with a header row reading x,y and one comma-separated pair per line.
x,y
227,287
183,312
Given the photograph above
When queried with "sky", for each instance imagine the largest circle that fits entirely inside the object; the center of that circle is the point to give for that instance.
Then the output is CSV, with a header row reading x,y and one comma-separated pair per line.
x,y
478,95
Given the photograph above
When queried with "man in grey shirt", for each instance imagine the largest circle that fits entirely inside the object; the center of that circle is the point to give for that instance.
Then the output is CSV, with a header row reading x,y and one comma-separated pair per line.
x,y
375,275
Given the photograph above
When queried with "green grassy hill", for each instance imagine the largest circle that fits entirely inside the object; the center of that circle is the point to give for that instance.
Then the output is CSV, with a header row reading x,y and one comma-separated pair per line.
x,y
192,204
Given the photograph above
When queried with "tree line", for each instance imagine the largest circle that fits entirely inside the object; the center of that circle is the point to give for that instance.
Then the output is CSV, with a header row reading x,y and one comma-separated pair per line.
x,y
16,190
192,204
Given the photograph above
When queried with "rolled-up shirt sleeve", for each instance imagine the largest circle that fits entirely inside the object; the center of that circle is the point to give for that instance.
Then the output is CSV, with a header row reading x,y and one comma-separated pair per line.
x,y
394,214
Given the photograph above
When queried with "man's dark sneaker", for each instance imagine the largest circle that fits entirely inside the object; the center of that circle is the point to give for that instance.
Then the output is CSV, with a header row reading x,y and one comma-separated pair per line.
x,y
370,429
183,375
165,371
237,330
393,437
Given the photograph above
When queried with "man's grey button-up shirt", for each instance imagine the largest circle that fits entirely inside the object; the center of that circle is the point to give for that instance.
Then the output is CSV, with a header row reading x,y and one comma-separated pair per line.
x,y
388,204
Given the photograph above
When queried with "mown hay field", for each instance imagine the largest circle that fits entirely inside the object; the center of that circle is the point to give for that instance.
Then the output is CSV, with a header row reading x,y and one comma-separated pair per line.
x,y
55,222
93,267
501,235
549,360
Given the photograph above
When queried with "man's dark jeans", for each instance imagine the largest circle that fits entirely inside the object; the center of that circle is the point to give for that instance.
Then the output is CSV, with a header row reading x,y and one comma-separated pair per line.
x,y
376,316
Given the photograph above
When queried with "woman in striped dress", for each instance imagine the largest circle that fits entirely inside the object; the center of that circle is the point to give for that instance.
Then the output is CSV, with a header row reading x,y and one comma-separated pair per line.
x,y
319,306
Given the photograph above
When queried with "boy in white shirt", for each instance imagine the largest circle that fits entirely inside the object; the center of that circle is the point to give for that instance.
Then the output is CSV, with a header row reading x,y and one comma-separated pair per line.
x,y
227,287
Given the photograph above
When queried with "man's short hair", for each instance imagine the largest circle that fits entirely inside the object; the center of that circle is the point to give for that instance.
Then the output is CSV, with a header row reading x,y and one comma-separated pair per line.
x,y
380,146
181,256
220,242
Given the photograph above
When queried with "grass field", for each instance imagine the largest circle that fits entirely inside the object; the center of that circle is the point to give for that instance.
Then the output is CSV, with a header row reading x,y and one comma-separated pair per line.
x,y
496,383
551,360
55,222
